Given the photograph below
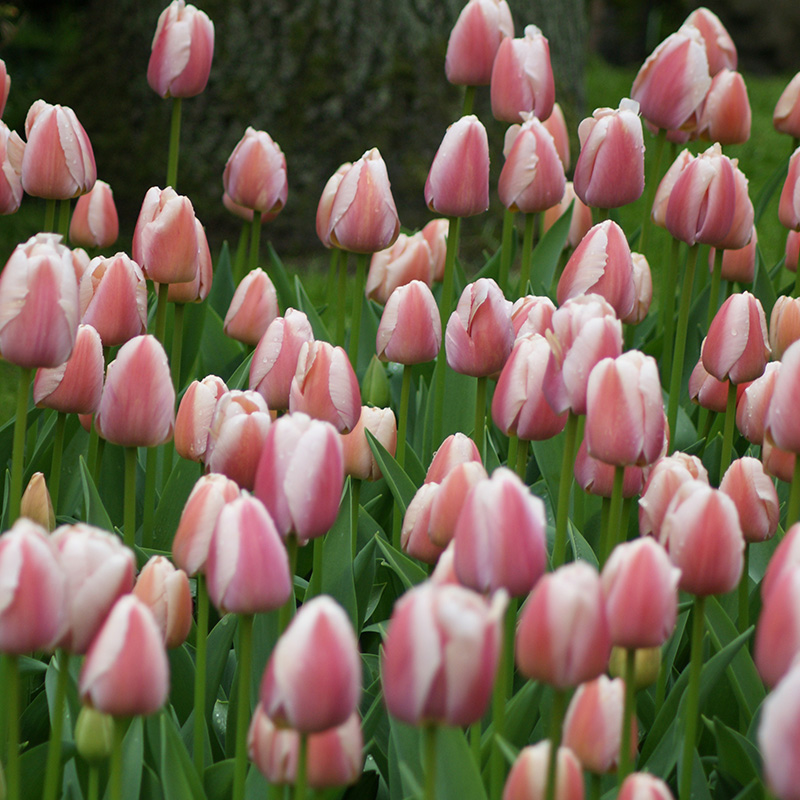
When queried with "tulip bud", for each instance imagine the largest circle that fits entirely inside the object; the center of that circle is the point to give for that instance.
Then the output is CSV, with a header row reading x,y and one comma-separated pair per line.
x,y
782,423
557,126
738,265
785,558
326,203
789,203
455,449
597,478
532,314
527,779
359,462
778,737
94,221
253,307
725,114
198,288
195,412
786,117
661,200
375,384
165,591
643,786
755,496
435,233
414,533
448,501
646,665
777,643
407,260
741,230
36,504
94,735
753,402
12,150
720,49
784,325
410,330
706,390
5,86
255,173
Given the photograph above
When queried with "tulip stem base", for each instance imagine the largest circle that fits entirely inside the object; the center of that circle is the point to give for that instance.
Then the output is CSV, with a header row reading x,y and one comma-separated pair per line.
x,y
341,299
469,100
793,506
744,591
480,418
255,241
161,314
564,489
174,144
115,767
11,691
556,721
149,506
355,499
527,252
625,763
243,704
692,698
177,347
287,610
49,216
522,459
612,534
333,274
201,650
501,694
93,789
716,281
129,526
652,185
669,279
18,453
513,450
505,250
240,258
53,769
429,762
55,464
727,434
362,261
301,778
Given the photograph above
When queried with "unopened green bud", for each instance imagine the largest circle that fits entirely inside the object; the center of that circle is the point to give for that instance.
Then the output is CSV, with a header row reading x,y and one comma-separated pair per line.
x,y
645,666
375,385
94,735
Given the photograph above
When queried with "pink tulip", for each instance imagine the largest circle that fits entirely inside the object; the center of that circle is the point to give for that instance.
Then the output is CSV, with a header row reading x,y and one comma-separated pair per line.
x,y
415,537
557,126
643,290
789,203
706,390
522,77
243,213
741,230
786,117
5,86
435,233
326,203
777,643
165,591
94,221
197,289
12,150
458,181
301,459
784,559
313,678
408,259
597,478
137,408
779,737
778,463
455,449
471,49
661,200
738,265
756,499
183,46
126,672
449,501
532,314
782,423
255,173
253,307
720,49
753,402
410,330
440,654
610,168
563,636
725,114
359,462
580,220
195,412
527,778
644,786
58,163
784,325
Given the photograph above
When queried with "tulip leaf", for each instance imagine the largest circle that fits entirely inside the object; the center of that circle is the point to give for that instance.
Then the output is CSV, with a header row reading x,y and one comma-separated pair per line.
x,y
280,279
241,377
398,481
223,286
549,455
178,776
547,253
699,789
181,670
305,305
457,775
219,646
194,320
522,713
181,481
738,757
33,764
581,549
132,758
762,284
95,513
364,574
409,572
218,780
219,354
763,198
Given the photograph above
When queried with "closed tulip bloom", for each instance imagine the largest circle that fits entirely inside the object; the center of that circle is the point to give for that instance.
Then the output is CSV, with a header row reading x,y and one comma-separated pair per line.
x,y
786,117
252,309
195,412
741,230
58,163
137,408
326,203
753,402
658,213
522,77
448,501
126,672
673,80
643,290
36,504
80,262
113,298
408,259
563,636
363,216
597,478
532,178
325,387
784,325
640,586
471,49
532,314
243,213
455,449
182,49
300,475
255,174
779,737
519,406
777,462
313,678
198,520
785,557
644,786
275,359
738,265
725,114
756,499
593,724
601,264
359,462
458,181
247,567
610,168
720,49
165,237
706,390
410,330
165,591
197,289
789,203
414,534
94,221
782,421
703,536
500,536
557,126
527,779
580,221
479,334
777,643
5,86
75,386
435,233
792,250
12,149
32,613
440,654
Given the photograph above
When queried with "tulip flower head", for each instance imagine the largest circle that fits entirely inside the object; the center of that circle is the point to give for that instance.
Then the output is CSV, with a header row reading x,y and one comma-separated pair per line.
x,y
165,591
255,173
720,49
786,117
12,149
527,778
472,47
408,259
410,330
94,221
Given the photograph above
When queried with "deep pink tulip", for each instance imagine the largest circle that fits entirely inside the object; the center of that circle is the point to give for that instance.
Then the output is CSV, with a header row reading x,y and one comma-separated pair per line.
x,y
779,737
789,203
785,557
137,408
195,412
673,80
313,678
165,591
527,778
601,264
661,200
725,114
563,636
12,150
275,359
753,402
198,520
784,325
255,173
610,168
738,265
363,217
455,449
415,532
182,49
519,406
720,49
706,390
756,499
703,536
458,181
783,424
644,786
593,724
58,163
359,462
640,586
94,221
597,478
532,178
522,77
253,307
33,608
557,126
440,654
448,501
532,314
126,672
580,220
302,459
38,303
479,334
247,567
471,49
410,330
75,386
325,387
500,536
326,203
113,298
197,289
408,259
435,233
786,117
777,643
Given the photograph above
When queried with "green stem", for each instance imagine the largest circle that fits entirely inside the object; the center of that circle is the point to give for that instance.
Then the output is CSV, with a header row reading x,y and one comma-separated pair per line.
x,y
362,261
93,791
241,252
505,250
564,487
11,691
198,751
402,422
556,720
469,100
652,185
255,241
480,418
793,506
174,144
53,769
527,252
429,737
727,434
612,537
149,507
669,280
355,496
64,208
98,460
315,586
475,744
595,786
744,591
243,706
625,764
18,453
161,314
603,214
115,775
680,343
301,777
513,449
661,687
342,297
55,464
288,608
177,346
522,459
130,496
500,697
49,216
716,280
692,699
333,273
